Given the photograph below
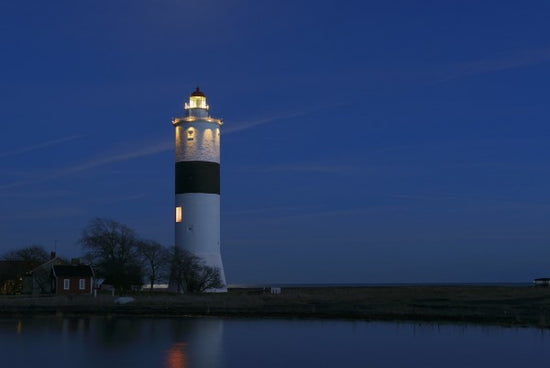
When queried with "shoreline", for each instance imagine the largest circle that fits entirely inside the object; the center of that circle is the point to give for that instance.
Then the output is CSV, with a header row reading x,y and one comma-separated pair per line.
x,y
514,306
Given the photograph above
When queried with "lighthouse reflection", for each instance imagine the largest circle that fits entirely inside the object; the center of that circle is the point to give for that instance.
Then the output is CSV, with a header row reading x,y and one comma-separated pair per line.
x,y
175,357
115,342
202,346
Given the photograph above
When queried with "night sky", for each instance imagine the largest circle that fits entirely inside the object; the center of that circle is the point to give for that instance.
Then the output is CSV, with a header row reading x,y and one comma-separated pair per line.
x,y
363,141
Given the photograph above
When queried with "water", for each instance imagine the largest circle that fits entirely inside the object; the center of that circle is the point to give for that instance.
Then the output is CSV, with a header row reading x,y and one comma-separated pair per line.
x,y
215,343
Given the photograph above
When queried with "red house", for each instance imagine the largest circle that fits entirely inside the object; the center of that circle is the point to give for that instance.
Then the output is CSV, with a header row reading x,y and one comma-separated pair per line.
x,y
73,279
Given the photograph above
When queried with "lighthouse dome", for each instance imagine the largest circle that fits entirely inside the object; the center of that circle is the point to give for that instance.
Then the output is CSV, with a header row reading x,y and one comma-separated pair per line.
x,y
198,92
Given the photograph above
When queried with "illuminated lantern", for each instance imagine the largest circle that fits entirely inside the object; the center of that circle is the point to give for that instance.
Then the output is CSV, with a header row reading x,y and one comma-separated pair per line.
x,y
197,212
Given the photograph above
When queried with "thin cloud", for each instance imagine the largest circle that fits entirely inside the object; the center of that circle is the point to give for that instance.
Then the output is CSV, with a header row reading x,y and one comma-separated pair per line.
x,y
314,167
269,210
152,149
39,146
468,199
311,213
251,124
37,195
132,197
519,60
237,127
47,213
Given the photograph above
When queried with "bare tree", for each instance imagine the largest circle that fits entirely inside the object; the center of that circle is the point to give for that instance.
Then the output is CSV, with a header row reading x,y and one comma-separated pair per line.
x,y
154,258
190,274
113,250
177,267
33,253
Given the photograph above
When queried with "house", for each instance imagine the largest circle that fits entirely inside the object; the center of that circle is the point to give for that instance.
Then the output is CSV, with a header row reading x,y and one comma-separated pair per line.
x,y
38,280
72,279
12,274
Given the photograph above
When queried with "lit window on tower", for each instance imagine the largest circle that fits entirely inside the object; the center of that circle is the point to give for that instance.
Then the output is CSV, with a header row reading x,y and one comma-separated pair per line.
x,y
178,214
190,134
207,136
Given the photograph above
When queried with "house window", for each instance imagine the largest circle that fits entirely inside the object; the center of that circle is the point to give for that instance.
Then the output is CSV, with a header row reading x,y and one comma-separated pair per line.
x,y
82,284
178,214
66,284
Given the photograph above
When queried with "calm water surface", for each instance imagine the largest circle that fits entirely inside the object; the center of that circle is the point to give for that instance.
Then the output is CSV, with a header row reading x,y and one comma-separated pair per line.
x,y
205,343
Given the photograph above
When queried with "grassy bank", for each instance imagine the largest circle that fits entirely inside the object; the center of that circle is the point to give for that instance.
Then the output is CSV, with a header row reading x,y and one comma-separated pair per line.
x,y
511,306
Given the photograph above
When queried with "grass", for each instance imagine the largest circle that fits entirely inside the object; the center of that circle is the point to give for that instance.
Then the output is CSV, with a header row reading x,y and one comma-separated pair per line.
x,y
504,305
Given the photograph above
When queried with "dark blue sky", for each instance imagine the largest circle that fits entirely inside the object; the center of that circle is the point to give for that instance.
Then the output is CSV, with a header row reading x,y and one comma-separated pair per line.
x,y
387,141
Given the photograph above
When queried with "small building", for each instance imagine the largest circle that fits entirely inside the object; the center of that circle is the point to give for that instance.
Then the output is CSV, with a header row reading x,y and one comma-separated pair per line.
x,y
543,281
12,274
38,280
72,279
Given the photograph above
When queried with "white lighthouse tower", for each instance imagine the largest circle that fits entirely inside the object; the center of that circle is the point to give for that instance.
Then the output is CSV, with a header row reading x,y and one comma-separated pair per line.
x,y
198,182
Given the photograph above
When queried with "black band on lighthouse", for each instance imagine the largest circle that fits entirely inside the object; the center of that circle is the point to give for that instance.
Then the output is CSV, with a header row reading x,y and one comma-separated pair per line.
x,y
197,177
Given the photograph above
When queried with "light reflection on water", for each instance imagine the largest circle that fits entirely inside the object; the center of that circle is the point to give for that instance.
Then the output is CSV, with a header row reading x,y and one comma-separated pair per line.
x,y
175,357
217,343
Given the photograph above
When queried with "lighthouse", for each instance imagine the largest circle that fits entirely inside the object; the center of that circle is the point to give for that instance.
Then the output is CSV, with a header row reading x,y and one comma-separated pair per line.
x,y
197,208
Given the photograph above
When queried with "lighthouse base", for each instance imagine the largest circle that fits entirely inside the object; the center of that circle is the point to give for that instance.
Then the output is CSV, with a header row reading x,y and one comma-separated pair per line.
x,y
198,232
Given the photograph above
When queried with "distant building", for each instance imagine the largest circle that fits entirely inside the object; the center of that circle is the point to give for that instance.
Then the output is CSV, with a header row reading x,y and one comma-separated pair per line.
x,y
72,279
38,280
12,274
544,281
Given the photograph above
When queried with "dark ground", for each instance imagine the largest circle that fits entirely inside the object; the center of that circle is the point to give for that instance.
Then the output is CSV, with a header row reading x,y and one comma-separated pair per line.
x,y
494,305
